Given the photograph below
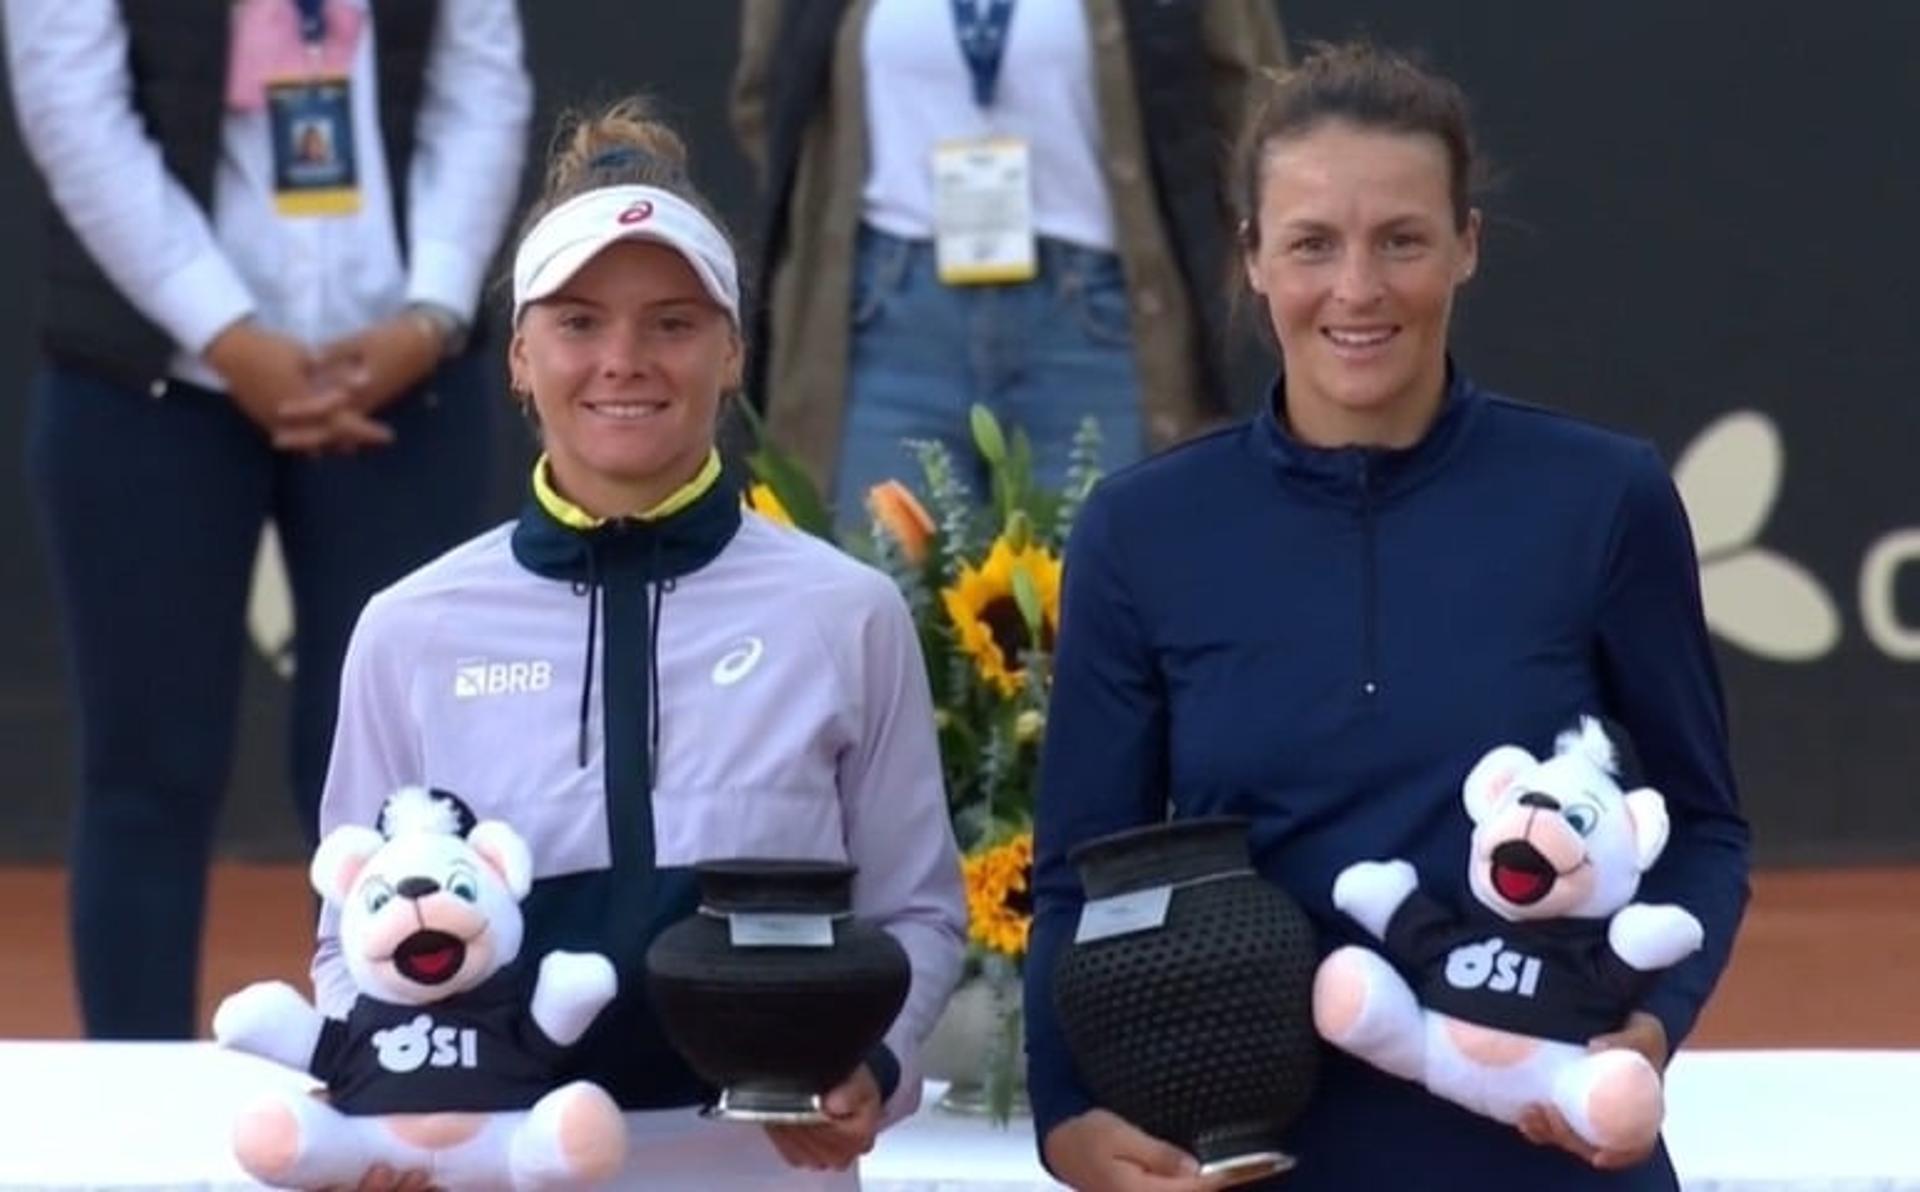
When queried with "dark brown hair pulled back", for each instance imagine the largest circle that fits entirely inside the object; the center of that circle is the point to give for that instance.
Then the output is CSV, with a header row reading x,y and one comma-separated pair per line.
x,y
1370,88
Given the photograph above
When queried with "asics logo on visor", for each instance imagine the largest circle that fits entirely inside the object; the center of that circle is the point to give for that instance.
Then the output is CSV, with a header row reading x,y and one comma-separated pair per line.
x,y
738,662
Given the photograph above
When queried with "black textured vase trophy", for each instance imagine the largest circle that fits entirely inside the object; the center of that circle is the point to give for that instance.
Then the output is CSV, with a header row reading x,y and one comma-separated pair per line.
x,y
1186,995
774,992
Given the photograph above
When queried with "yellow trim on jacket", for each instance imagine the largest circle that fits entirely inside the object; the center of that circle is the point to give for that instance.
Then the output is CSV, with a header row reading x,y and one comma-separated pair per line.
x,y
575,518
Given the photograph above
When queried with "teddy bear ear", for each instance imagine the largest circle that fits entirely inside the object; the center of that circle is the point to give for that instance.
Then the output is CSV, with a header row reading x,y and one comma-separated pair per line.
x,y
502,848
339,859
1491,777
1648,811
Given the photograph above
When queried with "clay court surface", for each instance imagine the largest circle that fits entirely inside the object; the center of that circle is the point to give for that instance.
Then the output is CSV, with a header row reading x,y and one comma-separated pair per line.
x,y
1828,958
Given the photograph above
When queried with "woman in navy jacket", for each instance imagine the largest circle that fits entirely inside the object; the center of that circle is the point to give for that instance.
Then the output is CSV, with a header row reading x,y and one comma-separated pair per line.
x,y
1321,618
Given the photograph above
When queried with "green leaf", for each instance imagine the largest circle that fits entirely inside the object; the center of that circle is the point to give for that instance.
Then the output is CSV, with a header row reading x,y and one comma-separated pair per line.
x,y
971,825
783,474
795,488
951,505
1083,472
987,435
1027,595
1019,531
1019,472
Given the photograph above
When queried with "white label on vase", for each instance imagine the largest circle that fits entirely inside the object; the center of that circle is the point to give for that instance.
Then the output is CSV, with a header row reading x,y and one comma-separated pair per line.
x,y
1123,914
777,930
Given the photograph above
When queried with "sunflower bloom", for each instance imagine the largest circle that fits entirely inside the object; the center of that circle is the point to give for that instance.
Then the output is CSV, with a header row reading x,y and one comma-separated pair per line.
x,y
761,500
903,517
999,883
986,615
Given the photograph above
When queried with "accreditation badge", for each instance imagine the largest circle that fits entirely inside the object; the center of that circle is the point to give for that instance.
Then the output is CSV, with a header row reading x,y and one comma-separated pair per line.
x,y
314,161
983,211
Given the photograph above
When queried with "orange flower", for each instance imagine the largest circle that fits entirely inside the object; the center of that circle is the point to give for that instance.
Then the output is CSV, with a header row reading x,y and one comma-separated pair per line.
x,y
903,517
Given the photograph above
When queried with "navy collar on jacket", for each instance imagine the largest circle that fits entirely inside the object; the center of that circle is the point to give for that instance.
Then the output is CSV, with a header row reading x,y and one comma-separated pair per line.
x,y
657,549
1370,474
628,564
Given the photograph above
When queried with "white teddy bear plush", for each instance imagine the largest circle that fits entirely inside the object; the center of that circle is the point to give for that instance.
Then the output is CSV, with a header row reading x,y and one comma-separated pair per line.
x,y
1505,1001
446,1061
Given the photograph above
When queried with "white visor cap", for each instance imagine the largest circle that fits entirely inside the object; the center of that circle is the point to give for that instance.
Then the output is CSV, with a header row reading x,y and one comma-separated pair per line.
x,y
573,233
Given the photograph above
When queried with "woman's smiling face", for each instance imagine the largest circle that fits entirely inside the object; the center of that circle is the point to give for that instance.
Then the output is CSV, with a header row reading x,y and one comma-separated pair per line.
x,y
626,364
1357,250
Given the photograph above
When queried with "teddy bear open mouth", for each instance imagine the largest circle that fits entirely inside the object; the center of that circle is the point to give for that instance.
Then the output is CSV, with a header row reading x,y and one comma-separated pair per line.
x,y
430,957
1521,875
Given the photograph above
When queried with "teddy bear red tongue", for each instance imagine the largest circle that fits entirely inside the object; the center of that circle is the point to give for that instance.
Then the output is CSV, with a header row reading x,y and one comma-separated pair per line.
x,y
429,957
1517,886
1520,874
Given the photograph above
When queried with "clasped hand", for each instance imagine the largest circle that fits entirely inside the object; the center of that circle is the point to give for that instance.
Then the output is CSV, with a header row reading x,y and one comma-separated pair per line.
x,y
1544,1125
1099,1151
323,400
853,1109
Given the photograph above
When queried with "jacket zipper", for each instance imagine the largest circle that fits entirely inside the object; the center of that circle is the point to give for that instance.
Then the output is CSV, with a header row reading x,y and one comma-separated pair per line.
x,y
1369,580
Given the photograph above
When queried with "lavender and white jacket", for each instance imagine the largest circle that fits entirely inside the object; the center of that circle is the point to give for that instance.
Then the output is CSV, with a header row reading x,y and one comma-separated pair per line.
x,y
794,720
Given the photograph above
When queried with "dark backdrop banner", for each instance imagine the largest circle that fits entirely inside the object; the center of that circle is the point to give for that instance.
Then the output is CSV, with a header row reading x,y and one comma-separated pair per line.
x,y
1703,232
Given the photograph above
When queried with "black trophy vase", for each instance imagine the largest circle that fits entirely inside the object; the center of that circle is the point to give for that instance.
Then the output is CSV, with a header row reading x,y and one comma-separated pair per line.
x,y
773,991
1195,1023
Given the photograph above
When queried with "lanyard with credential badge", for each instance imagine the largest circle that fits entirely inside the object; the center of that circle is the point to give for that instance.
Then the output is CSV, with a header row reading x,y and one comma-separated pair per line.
x,y
982,26
313,22
982,186
311,120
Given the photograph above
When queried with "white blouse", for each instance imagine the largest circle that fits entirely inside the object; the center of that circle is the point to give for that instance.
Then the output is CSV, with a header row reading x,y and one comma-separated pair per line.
x,y
919,92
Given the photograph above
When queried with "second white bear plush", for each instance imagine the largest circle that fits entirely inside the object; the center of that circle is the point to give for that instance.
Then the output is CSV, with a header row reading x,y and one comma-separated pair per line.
x,y
1503,999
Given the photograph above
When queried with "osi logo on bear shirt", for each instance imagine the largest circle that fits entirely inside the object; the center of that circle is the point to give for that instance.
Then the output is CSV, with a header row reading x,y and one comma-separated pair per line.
x,y
1485,964
416,1044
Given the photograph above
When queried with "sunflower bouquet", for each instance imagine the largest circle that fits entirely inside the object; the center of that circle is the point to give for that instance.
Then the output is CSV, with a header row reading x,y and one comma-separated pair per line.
x,y
981,575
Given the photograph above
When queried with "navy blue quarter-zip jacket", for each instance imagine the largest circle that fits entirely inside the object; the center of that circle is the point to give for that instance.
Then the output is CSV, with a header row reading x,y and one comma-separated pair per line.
x,y
1325,641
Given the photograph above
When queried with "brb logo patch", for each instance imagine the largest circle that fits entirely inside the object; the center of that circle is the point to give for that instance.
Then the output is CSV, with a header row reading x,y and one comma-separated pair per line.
x,y
414,1045
1486,965
476,677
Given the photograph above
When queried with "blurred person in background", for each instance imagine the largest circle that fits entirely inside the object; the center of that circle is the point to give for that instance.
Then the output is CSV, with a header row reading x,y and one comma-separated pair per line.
x,y
1015,202
234,331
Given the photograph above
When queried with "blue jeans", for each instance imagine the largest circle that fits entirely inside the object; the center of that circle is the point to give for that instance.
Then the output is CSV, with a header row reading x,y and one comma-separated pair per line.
x,y
151,511
1042,355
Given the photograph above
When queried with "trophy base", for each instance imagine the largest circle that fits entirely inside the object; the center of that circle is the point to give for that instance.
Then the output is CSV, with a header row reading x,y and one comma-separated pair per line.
x,y
1244,1169
778,1106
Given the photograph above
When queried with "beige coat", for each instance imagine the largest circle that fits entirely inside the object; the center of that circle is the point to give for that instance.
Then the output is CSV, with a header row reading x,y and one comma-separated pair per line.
x,y
813,282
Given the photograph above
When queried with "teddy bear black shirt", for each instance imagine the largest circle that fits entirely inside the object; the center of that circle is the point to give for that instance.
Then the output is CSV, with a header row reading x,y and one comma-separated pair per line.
x,y
477,1051
1557,979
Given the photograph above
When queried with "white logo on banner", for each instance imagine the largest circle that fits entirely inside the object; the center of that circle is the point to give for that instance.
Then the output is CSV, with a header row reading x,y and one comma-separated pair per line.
x,y
1755,597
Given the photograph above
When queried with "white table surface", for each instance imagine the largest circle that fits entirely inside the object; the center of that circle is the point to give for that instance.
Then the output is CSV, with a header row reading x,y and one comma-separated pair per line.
x,y
130,1115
